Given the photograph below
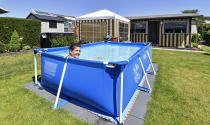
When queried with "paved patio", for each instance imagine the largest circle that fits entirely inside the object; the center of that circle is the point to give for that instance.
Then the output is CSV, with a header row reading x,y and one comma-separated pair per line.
x,y
136,117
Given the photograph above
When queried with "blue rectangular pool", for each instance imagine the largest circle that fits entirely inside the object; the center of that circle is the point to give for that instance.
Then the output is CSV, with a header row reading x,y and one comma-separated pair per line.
x,y
97,81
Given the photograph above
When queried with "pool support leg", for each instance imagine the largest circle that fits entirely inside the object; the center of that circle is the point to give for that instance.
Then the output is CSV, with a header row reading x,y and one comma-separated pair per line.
x,y
60,84
150,90
35,69
121,95
151,63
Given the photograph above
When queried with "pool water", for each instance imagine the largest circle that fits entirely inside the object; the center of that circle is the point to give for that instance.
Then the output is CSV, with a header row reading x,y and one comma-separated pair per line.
x,y
104,52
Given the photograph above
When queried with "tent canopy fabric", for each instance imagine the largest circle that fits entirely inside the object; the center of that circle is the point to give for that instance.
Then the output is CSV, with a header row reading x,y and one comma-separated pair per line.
x,y
102,14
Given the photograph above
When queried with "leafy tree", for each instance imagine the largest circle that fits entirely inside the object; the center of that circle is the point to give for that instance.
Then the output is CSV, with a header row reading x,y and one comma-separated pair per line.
x,y
191,11
14,44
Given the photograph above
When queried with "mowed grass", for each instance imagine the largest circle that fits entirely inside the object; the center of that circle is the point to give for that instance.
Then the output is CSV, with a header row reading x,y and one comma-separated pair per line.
x,y
206,48
20,106
181,95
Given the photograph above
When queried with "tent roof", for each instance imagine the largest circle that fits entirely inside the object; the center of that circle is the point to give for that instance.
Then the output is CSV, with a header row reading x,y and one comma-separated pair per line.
x,y
102,14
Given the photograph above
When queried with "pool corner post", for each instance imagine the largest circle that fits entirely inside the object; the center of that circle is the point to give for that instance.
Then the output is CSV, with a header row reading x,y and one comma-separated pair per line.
x,y
121,95
35,68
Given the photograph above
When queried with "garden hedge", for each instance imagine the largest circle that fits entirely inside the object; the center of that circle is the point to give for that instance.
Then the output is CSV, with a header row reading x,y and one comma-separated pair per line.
x,y
26,28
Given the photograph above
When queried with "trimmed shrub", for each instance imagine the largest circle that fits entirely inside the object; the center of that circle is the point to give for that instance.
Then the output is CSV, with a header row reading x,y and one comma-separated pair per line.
x,y
196,38
14,44
73,39
2,47
59,41
26,28
195,45
27,47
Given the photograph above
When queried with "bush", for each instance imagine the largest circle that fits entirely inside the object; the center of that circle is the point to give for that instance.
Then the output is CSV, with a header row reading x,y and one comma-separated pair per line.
x,y
27,47
195,45
196,38
59,41
28,29
73,40
208,37
7,47
2,47
14,44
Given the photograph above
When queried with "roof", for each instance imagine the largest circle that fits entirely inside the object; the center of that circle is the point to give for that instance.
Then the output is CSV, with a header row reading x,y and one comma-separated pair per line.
x,y
50,16
206,22
184,15
3,11
53,14
102,14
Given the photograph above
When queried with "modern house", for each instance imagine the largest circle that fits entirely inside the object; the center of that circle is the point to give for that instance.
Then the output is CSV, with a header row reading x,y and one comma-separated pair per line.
x,y
172,30
53,23
95,26
2,11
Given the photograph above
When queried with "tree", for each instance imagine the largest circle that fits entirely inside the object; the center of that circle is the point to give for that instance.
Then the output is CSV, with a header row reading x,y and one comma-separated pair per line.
x,y
191,11
14,44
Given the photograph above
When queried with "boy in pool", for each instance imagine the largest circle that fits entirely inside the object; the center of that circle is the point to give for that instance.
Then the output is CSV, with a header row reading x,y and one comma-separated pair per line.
x,y
74,50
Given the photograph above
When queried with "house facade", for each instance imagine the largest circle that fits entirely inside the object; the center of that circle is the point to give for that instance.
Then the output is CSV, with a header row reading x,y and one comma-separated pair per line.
x,y
172,30
53,23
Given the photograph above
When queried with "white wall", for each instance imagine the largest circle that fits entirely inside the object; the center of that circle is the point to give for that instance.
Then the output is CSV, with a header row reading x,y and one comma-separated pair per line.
x,y
194,28
45,27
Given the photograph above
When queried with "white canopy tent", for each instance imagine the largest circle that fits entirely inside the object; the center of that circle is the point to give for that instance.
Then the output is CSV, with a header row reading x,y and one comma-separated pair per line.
x,y
95,26
102,14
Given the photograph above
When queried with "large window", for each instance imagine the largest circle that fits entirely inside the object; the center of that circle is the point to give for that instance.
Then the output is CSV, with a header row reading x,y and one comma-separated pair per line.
x,y
69,26
52,24
138,28
93,31
123,30
175,27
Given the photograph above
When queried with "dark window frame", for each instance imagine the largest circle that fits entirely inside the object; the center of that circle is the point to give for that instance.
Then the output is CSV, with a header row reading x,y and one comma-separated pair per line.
x,y
123,31
52,24
175,27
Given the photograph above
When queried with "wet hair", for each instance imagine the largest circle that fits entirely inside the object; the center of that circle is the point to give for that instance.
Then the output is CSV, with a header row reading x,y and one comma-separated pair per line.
x,y
73,46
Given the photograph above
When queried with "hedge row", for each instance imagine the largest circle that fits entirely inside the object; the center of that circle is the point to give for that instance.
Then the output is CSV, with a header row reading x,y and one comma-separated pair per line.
x,y
28,29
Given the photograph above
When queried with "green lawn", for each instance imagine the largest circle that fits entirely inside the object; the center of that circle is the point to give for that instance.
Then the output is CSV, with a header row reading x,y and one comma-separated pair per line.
x,y
181,94
206,48
20,106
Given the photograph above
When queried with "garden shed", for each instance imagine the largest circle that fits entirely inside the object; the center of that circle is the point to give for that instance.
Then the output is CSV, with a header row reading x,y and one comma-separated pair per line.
x,y
95,26
170,30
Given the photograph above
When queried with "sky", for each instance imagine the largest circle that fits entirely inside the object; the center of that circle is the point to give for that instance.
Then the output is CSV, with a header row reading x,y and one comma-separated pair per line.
x,y
22,8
